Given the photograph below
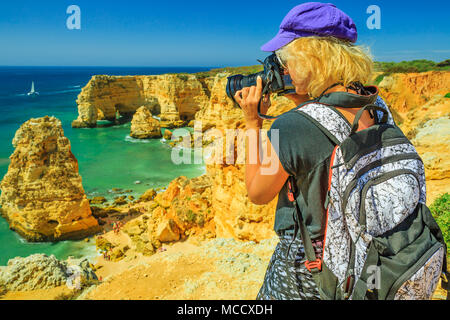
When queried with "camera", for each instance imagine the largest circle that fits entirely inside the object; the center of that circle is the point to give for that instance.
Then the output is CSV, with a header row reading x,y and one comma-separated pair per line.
x,y
273,79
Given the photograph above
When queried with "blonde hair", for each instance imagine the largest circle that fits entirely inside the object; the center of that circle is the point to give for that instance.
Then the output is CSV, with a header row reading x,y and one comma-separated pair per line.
x,y
323,61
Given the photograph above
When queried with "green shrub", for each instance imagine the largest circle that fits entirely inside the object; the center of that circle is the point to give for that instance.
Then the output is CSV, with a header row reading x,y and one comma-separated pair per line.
x,y
233,70
441,212
445,63
379,78
412,66
447,95
182,77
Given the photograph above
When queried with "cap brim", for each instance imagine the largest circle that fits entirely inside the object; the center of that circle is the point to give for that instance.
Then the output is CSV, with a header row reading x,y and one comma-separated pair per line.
x,y
283,38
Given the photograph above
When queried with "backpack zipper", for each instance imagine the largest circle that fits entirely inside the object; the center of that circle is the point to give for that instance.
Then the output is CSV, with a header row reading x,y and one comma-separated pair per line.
x,y
378,163
375,181
378,145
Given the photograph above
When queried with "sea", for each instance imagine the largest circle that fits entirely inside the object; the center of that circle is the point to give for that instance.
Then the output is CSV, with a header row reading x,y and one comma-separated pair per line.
x,y
108,157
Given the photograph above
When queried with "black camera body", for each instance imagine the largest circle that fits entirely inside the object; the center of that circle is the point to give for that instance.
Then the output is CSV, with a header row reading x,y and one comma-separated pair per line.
x,y
273,79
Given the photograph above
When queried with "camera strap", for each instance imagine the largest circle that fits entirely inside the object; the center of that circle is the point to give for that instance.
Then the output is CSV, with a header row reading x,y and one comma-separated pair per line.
x,y
264,116
265,91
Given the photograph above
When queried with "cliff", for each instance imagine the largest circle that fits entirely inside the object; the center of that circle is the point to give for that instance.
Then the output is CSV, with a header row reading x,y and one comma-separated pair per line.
x,y
423,113
175,98
42,195
407,91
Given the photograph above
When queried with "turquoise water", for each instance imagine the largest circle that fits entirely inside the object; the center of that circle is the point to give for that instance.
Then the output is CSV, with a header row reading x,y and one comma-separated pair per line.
x,y
108,158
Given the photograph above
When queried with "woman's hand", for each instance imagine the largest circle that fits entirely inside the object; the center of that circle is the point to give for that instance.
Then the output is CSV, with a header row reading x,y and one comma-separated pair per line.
x,y
248,98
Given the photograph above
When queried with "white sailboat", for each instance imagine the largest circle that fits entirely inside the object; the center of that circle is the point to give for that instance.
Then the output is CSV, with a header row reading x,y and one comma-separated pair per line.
x,y
33,92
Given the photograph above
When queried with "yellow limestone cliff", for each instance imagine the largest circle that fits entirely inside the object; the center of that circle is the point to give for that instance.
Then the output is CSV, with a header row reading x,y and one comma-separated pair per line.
x,y
175,98
204,100
423,113
42,195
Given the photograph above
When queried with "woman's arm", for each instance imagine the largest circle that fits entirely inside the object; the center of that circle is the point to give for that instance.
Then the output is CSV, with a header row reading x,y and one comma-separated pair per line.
x,y
263,179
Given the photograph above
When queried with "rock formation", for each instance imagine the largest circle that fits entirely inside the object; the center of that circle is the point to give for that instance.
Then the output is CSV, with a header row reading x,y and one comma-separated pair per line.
x,y
40,271
174,97
42,195
235,216
177,213
221,113
406,91
144,126
423,113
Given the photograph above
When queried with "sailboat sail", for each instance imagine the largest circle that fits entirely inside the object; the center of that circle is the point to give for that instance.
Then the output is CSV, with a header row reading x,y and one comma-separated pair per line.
x,y
32,92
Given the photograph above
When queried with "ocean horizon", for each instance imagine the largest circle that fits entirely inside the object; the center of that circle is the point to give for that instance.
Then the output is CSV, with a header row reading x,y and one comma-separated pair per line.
x,y
108,157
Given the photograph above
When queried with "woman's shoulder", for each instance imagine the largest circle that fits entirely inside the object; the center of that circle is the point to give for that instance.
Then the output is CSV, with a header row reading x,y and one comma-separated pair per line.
x,y
300,144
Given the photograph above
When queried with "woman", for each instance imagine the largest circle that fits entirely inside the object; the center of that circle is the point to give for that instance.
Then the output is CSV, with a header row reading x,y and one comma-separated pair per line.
x,y
315,46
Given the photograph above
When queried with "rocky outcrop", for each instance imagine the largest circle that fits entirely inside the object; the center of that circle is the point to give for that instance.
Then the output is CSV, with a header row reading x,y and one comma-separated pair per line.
x,y
40,271
182,210
407,91
432,140
235,216
423,113
42,195
144,126
175,98
221,113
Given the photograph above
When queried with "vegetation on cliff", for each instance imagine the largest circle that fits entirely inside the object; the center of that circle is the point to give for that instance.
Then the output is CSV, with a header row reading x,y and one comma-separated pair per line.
x,y
386,68
414,66
441,212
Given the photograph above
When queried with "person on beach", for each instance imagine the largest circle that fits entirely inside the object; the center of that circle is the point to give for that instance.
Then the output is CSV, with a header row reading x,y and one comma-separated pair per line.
x,y
315,46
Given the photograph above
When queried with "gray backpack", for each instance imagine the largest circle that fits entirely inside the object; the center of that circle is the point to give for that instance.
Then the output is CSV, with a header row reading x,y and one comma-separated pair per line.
x,y
381,241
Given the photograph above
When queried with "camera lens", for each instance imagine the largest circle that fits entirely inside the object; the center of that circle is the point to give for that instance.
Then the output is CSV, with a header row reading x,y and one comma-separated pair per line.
x,y
234,85
239,81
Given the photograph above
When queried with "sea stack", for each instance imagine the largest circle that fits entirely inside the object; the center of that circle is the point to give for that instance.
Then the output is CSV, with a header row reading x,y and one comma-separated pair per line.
x,y
144,126
42,196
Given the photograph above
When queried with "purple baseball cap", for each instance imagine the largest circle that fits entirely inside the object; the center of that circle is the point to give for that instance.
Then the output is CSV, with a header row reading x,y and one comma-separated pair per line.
x,y
313,19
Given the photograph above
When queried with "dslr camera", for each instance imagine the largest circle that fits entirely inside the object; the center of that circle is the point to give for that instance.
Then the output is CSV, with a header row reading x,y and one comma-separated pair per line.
x,y
273,79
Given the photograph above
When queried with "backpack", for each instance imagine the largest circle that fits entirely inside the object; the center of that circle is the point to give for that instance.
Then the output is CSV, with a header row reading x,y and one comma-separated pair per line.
x,y
381,241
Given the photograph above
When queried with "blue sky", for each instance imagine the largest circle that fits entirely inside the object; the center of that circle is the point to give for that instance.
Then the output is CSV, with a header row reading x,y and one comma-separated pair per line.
x,y
199,33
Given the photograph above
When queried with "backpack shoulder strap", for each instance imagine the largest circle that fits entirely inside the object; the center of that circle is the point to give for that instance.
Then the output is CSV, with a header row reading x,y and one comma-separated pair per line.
x,y
330,121
380,102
